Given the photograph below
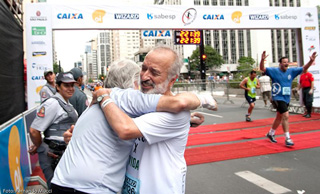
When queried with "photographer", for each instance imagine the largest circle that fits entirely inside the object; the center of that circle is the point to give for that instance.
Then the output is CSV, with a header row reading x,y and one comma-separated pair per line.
x,y
53,118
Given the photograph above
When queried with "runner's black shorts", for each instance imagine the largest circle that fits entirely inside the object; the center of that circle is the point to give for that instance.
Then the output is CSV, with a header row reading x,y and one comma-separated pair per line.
x,y
249,99
281,106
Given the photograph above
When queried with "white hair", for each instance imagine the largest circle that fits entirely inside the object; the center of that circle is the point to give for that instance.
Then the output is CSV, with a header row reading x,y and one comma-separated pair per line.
x,y
122,74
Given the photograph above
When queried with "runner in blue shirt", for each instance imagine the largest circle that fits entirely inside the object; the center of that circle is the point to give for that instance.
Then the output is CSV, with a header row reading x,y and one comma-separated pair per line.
x,y
282,78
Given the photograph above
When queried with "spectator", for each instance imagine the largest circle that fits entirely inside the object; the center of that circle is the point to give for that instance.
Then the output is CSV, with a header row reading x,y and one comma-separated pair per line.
x,y
306,83
265,88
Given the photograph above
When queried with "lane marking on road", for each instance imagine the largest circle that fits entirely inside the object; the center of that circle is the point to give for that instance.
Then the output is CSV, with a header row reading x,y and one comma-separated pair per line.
x,y
210,114
262,182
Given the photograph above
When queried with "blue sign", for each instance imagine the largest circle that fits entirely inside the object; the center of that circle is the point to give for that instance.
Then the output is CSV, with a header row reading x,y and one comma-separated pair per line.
x,y
14,168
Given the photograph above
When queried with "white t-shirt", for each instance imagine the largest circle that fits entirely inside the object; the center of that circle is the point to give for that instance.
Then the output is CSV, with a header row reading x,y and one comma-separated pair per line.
x,y
156,163
265,83
96,158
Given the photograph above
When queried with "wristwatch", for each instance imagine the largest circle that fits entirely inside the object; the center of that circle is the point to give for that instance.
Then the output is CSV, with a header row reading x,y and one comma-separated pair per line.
x,y
100,98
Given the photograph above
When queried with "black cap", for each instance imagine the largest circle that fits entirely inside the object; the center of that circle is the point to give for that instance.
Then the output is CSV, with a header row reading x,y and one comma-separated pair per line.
x,y
76,72
65,77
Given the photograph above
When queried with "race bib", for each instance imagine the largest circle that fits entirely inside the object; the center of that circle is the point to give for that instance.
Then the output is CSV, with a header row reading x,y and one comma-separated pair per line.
x,y
286,91
131,185
253,90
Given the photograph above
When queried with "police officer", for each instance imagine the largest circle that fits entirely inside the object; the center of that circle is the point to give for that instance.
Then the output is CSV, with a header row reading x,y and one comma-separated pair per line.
x,y
54,116
49,89
79,99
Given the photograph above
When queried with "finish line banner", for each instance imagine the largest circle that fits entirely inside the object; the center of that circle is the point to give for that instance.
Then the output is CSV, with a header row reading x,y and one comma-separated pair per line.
x,y
42,18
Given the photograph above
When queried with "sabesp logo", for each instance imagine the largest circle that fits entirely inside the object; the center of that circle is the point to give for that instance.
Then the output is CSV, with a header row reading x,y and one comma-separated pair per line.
x,y
14,160
152,16
189,16
235,16
98,15
70,16
285,17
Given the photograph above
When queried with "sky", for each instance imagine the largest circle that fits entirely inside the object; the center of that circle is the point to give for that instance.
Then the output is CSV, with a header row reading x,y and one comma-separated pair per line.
x,y
70,45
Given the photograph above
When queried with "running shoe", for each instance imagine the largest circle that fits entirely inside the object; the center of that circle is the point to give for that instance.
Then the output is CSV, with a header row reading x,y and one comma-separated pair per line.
x,y
289,142
271,138
248,119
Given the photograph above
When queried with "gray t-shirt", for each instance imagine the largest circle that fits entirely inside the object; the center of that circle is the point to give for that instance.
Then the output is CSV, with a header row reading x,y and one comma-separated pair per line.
x,y
96,158
46,92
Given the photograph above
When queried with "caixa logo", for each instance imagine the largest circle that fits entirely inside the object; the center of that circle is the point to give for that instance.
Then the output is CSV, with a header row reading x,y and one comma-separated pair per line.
x,y
156,34
37,77
70,16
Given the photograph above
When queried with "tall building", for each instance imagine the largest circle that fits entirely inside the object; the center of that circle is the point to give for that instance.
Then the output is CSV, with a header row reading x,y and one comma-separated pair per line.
x,y
125,44
233,44
104,51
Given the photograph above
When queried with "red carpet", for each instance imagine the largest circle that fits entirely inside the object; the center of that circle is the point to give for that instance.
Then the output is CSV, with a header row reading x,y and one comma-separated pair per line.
x,y
229,132
243,125
198,139
201,155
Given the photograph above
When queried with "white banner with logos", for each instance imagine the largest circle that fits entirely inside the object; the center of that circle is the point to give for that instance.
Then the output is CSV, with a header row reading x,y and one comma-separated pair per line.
x,y
156,21
310,44
39,49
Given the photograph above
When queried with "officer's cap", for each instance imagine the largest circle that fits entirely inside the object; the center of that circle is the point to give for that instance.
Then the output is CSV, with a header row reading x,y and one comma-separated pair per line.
x,y
76,72
46,72
66,77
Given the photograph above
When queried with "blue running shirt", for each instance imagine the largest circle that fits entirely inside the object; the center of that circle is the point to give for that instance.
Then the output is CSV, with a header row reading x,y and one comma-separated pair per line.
x,y
281,82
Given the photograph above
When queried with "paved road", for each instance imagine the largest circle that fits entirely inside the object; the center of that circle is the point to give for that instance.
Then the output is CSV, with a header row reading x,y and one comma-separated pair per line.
x,y
290,172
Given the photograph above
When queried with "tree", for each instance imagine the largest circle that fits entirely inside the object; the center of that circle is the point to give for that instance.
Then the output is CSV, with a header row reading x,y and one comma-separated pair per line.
x,y
214,59
56,68
245,66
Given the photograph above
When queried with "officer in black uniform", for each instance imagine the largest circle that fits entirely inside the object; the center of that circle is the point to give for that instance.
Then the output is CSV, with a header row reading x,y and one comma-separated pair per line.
x,y
79,99
54,116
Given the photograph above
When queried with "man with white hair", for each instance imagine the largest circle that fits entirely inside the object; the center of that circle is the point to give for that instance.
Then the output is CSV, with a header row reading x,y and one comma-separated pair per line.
x,y
95,159
156,163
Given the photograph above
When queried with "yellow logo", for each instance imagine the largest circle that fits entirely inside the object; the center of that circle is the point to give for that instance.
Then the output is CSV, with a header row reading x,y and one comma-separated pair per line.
x,y
97,16
236,16
14,160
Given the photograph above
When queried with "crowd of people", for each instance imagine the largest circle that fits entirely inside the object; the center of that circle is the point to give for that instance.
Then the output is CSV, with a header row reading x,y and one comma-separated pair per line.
x,y
133,135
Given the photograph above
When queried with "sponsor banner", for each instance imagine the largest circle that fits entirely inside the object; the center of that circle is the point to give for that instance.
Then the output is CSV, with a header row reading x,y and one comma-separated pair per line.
x,y
42,18
172,17
310,44
156,34
39,49
14,168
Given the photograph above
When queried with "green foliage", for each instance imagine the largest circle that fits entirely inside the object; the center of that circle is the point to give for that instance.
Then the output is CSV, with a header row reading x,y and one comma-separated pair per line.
x,y
214,59
56,68
90,80
245,66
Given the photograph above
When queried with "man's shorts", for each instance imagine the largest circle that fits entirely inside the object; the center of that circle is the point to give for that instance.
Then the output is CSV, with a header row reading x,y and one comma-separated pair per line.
x,y
281,106
249,99
266,95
